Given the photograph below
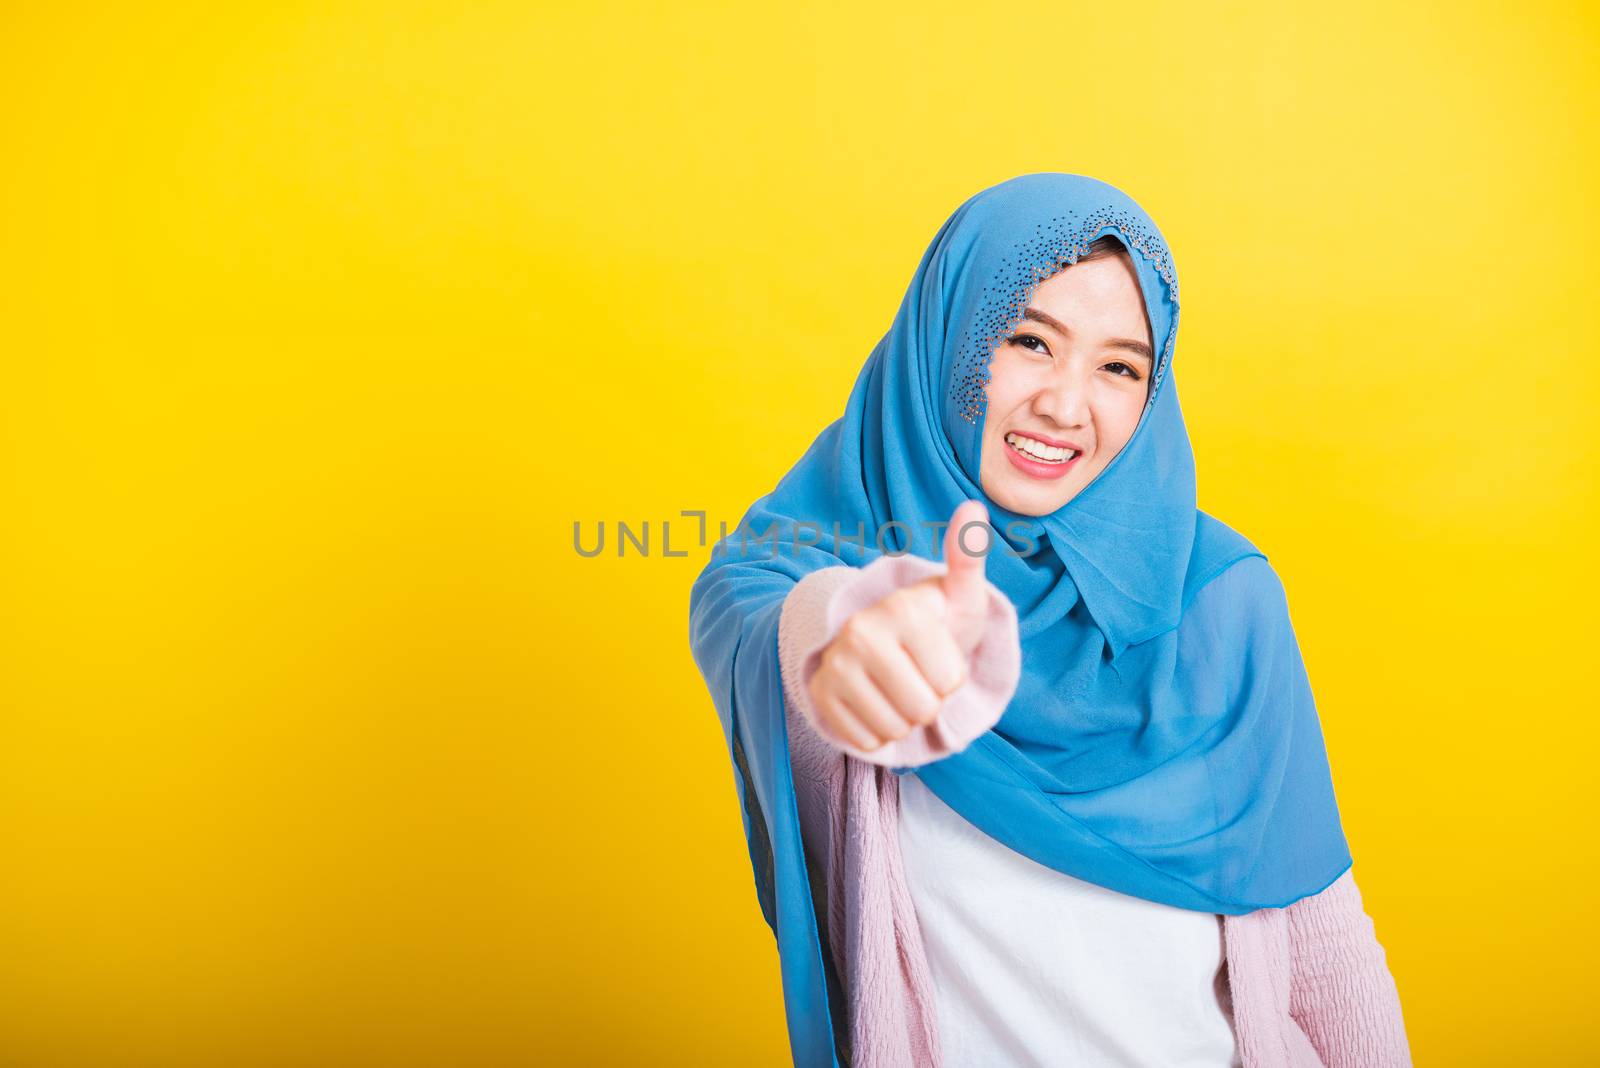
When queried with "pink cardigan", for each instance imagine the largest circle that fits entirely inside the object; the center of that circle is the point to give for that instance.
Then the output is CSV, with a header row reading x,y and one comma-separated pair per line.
x,y
1309,983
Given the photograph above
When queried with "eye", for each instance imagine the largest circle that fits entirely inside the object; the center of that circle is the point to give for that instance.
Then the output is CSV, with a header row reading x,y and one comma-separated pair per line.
x,y
1018,339
1120,368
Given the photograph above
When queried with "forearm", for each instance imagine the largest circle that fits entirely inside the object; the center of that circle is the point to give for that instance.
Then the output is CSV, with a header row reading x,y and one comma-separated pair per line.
x,y
1343,995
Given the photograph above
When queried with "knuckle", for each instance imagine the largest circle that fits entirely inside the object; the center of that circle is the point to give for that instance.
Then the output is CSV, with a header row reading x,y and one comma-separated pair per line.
x,y
898,606
856,634
921,602
836,723
842,652
949,677
923,708
954,678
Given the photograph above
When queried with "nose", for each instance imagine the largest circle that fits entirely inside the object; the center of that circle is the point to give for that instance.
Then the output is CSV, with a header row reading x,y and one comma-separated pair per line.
x,y
1063,400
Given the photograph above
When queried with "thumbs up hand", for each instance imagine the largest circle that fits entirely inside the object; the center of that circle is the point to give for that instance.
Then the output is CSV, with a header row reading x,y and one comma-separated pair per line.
x,y
966,599
890,666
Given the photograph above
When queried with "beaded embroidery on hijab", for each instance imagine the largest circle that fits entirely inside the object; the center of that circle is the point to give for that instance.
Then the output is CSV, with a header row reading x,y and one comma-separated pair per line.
x,y
1059,244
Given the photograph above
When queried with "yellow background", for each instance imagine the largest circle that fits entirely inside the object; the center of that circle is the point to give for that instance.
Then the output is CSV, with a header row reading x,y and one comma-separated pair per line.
x,y
322,324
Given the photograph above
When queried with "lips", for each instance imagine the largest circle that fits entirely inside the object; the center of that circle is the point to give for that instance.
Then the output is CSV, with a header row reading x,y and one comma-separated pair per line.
x,y
1064,458
1047,450
1047,439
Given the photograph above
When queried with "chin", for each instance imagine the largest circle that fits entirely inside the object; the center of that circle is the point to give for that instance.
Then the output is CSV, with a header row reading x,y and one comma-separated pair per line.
x,y
1027,503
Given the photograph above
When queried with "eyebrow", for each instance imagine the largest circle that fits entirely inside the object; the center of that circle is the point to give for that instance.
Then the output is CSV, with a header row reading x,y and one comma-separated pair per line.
x,y
1137,347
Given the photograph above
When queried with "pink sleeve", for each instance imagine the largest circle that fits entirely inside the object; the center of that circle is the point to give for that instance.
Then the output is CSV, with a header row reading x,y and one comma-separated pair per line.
x,y
1341,993
820,603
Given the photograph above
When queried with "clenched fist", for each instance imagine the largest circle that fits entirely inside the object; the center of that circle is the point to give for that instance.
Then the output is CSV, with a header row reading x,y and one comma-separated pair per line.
x,y
891,665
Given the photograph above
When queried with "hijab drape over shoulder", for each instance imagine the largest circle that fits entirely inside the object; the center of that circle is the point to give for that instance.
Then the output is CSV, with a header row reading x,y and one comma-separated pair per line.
x,y
1162,741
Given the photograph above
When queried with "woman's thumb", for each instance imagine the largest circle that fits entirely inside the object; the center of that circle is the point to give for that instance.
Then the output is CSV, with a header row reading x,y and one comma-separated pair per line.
x,y
966,548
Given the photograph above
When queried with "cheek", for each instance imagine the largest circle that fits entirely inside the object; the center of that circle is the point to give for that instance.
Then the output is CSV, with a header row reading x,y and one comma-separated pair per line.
x,y
1006,382
1118,416
1000,398
1005,386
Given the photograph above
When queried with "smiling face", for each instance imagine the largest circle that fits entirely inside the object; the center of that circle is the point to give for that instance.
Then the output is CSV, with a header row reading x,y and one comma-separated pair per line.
x,y
1067,386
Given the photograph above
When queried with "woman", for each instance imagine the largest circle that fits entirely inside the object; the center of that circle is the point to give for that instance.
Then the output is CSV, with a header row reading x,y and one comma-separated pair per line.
x,y
1059,800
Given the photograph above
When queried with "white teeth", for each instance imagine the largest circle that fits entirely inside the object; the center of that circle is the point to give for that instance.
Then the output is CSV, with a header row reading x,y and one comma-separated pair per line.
x,y
1039,450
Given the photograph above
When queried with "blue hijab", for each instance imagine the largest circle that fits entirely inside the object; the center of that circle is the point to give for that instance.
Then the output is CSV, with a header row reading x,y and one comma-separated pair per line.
x,y
1162,740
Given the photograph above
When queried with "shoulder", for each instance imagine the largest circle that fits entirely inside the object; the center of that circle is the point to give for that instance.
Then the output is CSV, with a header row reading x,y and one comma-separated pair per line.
x,y
1228,575
1248,588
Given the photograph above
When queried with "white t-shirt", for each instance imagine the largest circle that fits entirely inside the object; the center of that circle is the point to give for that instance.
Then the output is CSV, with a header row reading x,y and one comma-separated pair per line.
x,y
1033,967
